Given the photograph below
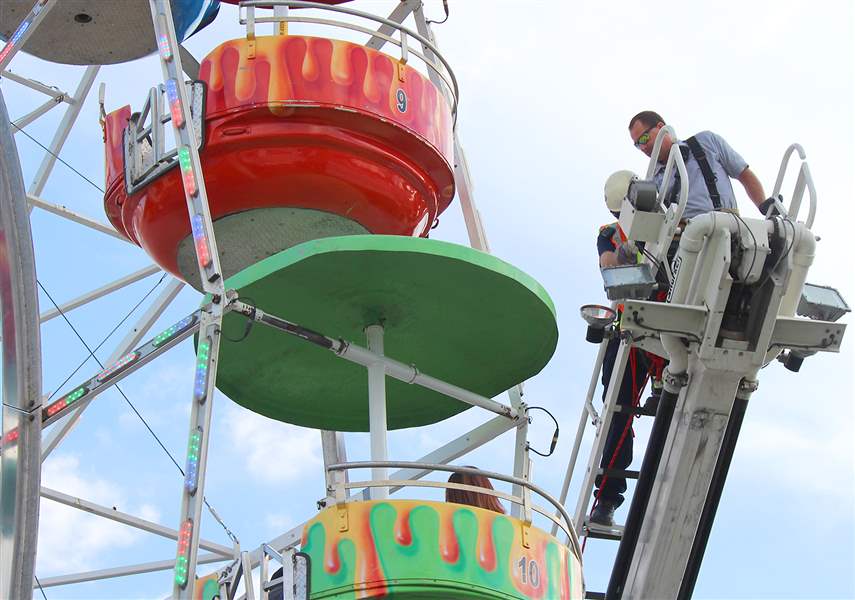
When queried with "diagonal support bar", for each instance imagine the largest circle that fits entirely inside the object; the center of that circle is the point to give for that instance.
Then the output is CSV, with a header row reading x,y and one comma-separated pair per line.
x,y
61,211
67,422
68,120
100,292
126,519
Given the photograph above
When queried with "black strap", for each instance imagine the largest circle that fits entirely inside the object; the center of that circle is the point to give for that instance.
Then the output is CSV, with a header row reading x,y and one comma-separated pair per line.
x,y
709,176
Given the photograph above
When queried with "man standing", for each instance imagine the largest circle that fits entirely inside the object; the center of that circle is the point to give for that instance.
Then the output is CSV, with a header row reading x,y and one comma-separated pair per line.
x,y
616,251
710,164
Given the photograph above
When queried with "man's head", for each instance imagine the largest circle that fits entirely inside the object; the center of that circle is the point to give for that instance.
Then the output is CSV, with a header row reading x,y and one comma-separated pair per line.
x,y
643,129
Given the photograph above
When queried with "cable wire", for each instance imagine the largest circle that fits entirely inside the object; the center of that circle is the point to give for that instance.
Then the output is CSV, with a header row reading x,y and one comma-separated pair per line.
x,y
134,408
554,435
104,341
56,156
39,583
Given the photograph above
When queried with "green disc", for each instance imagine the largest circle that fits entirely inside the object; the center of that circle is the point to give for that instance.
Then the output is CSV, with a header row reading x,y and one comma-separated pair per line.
x,y
457,314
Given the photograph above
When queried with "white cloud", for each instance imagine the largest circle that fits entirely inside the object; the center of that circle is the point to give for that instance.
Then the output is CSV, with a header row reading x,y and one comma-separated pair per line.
x,y
274,452
71,540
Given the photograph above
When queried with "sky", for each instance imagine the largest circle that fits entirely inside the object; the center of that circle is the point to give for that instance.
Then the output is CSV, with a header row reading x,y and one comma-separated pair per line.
x,y
547,90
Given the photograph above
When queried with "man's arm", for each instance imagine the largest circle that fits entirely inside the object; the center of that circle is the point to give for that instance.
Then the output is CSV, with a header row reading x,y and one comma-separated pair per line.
x,y
752,186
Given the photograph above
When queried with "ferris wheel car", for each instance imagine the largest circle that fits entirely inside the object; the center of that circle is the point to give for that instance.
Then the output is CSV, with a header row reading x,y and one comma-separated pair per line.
x,y
302,137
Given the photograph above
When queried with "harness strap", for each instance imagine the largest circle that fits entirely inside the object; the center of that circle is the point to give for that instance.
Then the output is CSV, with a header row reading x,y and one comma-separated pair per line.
x,y
709,176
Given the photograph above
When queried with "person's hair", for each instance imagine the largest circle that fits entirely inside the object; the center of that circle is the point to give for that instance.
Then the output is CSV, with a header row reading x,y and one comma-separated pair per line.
x,y
648,117
473,498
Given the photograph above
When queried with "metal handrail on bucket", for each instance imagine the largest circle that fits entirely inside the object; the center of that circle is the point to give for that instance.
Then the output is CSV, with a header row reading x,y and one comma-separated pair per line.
x,y
339,487
442,71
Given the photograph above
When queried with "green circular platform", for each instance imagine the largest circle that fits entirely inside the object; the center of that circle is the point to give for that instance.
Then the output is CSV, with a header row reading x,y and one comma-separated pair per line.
x,y
458,314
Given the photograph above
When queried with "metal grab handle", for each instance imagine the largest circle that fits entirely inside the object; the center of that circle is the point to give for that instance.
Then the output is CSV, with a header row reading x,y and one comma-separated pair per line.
x,y
804,180
250,5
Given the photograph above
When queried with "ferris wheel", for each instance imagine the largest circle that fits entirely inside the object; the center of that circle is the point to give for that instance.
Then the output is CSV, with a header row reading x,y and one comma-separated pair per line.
x,y
313,169
293,205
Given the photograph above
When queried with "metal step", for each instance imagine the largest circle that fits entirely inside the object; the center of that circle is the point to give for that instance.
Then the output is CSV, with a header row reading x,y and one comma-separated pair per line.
x,y
600,532
638,410
623,474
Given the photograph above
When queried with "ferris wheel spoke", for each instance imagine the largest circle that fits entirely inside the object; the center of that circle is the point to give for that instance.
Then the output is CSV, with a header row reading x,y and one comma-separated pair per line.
x,y
65,424
65,213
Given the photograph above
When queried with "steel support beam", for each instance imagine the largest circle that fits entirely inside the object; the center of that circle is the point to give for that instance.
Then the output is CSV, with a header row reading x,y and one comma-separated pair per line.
x,y
34,114
38,86
66,423
20,469
65,213
71,114
126,519
100,292
137,569
401,12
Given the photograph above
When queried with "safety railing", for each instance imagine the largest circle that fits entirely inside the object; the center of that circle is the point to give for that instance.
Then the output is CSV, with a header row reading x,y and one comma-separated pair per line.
x,y
146,156
803,180
439,66
558,515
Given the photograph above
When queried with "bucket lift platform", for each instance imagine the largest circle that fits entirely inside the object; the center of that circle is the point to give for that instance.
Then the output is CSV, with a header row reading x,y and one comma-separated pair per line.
x,y
735,286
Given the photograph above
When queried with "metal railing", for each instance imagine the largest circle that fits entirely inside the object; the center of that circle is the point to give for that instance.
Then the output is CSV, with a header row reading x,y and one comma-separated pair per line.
x,y
441,69
803,180
145,135
339,489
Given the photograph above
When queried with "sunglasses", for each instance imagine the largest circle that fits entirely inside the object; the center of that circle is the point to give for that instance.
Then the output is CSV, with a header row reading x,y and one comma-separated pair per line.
x,y
643,138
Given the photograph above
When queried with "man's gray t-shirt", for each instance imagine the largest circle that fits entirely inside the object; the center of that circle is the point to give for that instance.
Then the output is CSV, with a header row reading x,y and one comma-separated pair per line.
x,y
725,163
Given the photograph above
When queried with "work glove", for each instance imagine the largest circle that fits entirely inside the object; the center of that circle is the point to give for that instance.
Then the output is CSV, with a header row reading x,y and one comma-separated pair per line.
x,y
770,203
627,253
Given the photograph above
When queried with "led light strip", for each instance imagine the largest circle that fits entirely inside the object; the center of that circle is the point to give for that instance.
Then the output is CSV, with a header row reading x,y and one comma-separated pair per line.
x,y
182,559
200,240
117,366
202,356
173,330
174,102
66,400
191,479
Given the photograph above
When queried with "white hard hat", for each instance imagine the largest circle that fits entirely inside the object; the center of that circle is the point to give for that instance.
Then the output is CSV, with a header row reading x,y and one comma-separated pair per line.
x,y
616,187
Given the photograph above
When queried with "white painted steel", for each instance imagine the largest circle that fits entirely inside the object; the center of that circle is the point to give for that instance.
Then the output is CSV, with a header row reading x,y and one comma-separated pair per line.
x,y
520,446
64,426
100,292
68,120
38,86
412,375
34,114
138,569
580,429
602,431
210,325
377,407
62,211
126,519
20,469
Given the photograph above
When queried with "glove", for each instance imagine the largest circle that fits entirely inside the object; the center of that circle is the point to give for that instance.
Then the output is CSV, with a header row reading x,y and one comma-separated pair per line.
x,y
770,203
627,253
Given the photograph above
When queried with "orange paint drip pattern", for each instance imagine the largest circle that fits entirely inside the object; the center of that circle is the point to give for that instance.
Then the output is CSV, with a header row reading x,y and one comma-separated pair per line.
x,y
301,69
437,546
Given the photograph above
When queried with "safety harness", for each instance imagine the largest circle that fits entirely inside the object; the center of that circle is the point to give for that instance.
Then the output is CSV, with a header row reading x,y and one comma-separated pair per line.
x,y
697,151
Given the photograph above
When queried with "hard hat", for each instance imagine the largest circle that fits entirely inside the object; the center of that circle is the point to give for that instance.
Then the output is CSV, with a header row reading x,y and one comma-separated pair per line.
x,y
616,187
